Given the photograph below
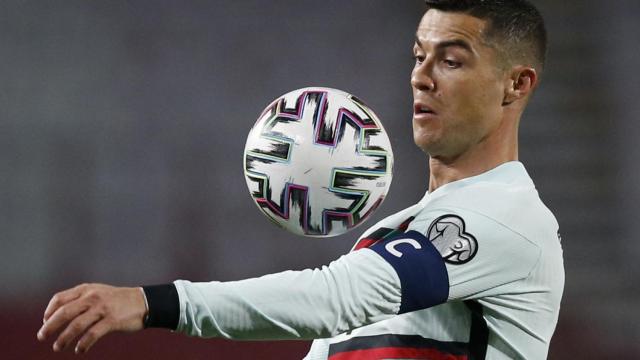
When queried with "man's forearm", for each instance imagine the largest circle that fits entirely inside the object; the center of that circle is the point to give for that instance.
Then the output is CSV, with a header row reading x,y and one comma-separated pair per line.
x,y
356,290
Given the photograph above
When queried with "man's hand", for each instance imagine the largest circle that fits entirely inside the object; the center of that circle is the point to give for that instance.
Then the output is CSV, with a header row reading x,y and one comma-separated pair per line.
x,y
89,312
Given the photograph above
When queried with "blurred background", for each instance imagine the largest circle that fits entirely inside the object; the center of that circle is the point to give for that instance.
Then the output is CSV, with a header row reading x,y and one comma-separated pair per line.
x,y
123,125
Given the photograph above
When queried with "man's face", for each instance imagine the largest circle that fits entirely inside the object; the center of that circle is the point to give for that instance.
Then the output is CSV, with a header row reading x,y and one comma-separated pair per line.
x,y
458,88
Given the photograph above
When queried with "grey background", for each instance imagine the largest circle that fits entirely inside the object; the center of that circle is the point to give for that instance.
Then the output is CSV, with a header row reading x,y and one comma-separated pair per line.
x,y
122,127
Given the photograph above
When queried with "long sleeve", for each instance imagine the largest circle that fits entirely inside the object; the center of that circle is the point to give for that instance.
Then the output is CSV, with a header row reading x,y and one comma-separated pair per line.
x,y
357,289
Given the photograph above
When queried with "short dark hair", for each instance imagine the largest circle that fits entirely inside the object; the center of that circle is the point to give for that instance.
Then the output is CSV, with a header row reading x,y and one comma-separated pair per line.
x,y
516,24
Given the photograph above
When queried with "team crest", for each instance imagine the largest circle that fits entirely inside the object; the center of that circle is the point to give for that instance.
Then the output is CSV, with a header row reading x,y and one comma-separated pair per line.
x,y
447,234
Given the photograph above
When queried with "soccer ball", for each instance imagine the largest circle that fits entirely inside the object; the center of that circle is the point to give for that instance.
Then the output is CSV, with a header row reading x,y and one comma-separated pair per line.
x,y
318,162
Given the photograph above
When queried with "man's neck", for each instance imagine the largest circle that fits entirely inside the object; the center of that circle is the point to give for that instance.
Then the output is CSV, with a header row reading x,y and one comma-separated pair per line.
x,y
482,158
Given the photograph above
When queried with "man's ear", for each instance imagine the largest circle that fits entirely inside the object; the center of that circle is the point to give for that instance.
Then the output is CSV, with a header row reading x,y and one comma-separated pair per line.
x,y
520,83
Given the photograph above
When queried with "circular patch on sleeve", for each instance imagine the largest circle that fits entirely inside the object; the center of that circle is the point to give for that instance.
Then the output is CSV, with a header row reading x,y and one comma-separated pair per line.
x,y
447,234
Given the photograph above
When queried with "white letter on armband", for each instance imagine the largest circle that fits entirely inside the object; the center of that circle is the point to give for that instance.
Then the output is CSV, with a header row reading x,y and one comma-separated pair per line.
x,y
390,247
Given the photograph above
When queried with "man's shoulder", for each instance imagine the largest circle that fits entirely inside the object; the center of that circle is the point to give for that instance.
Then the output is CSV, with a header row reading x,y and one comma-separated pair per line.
x,y
491,218
517,207
504,201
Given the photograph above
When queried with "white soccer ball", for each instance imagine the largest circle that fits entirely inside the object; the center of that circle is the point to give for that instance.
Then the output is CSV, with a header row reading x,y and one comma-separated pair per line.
x,y
318,162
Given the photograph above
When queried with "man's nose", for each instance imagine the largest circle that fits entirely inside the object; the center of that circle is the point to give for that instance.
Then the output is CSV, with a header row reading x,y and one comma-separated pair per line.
x,y
421,78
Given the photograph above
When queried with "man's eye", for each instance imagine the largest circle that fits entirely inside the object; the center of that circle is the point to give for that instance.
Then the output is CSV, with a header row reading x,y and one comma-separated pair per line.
x,y
418,59
452,64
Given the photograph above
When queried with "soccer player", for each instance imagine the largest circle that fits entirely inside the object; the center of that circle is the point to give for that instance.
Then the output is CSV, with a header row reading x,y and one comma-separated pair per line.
x,y
472,271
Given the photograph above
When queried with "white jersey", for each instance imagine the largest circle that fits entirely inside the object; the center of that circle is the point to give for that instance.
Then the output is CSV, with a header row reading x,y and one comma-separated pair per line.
x,y
472,271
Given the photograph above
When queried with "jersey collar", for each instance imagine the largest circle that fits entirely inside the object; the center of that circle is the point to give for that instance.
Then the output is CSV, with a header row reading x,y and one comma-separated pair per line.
x,y
511,172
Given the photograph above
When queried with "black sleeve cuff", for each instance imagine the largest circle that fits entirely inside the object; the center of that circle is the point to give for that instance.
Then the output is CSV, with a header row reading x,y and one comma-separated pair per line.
x,y
164,306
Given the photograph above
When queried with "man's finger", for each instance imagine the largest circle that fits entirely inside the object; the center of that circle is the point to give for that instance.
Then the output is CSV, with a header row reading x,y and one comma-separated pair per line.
x,y
62,298
97,331
62,316
77,327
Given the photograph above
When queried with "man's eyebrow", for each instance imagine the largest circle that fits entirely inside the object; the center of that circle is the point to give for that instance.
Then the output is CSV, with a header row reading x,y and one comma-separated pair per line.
x,y
455,43
449,43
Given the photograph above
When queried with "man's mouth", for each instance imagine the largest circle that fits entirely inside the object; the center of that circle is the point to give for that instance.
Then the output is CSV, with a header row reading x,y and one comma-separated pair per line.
x,y
419,109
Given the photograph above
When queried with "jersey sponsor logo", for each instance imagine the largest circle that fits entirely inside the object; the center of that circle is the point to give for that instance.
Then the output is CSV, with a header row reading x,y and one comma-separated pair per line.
x,y
447,233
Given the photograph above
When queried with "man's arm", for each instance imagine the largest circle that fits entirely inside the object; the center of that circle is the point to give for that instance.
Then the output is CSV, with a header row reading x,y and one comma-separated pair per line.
x,y
355,290
358,289
397,275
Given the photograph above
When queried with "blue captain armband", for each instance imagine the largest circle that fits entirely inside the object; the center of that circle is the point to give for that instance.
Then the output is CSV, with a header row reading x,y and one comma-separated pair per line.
x,y
420,267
